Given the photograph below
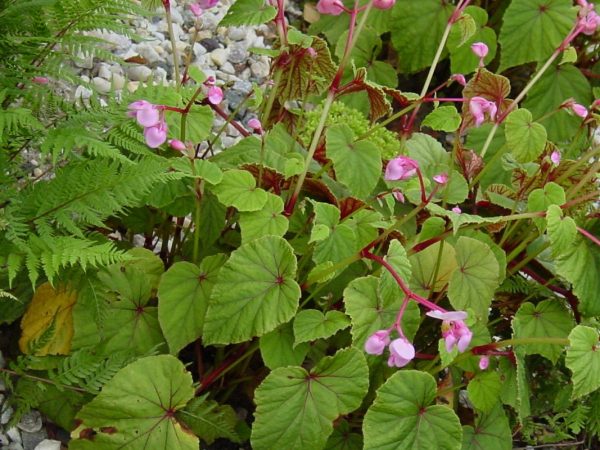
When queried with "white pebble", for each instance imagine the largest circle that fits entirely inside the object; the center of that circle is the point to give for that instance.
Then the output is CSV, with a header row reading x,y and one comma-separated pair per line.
x,y
7,413
13,434
260,69
101,85
48,444
139,73
219,56
118,82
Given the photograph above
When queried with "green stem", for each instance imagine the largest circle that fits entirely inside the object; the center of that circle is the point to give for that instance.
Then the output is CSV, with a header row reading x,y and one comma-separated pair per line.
x,y
532,340
272,95
173,44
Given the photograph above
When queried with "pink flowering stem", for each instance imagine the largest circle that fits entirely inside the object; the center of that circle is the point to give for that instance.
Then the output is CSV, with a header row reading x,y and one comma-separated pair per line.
x,y
409,294
443,99
424,199
589,235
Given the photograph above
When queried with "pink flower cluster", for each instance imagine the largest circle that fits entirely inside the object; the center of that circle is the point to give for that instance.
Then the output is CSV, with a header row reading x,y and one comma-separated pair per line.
x,y
200,5
401,350
215,93
336,7
152,118
479,106
454,330
588,20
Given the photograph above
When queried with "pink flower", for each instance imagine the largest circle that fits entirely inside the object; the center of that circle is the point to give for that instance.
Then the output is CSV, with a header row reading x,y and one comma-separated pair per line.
x,y
441,178
255,125
196,10
383,4
215,95
447,315
456,210
40,80
401,352
454,331
377,342
333,7
555,157
146,114
399,196
484,362
156,136
401,168
588,20
206,4
479,106
459,78
176,144
480,49
578,109
312,52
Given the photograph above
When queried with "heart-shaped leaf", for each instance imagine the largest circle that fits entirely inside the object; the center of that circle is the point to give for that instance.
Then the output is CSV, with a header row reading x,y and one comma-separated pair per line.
x,y
311,324
136,409
248,12
526,138
583,358
295,409
562,231
266,294
267,220
490,432
549,318
183,295
277,348
541,199
238,189
424,268
484,390
402,417
473,283
445,118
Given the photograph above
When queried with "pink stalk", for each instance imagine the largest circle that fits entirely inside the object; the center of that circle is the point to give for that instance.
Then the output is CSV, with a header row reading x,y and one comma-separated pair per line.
x,y
589,235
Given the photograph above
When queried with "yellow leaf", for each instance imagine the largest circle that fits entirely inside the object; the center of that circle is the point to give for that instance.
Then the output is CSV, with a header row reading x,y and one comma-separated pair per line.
x,y
47,325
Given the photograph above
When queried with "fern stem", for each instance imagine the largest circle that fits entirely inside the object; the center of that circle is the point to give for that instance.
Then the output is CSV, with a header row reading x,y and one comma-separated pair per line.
x,y
43,380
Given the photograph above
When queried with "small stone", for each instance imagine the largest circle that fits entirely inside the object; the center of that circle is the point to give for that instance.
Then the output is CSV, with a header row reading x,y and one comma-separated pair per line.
x,y
260,69
199,50
219,56
31,422
7,413
148,51
3,439
160,76
259,42
210,44
132,86
13,434
227,141
139,73
85,78
242,86
238,54
118,81
81,92
176,16
37,172
234,98
34,163
30,440
237,33
101,85
84,61
228,68
14,446
105,72
246,73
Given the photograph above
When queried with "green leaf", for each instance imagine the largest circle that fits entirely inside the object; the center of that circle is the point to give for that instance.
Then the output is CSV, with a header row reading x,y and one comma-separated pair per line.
x,y
295,409
136,409
183,295
556,85
542,24
462,58
508,377
371,310
473,283
581,267
547,319
312,324
583,359
484,390
462,30
541,199
335,241
248,12
424,268
402,416
523,394
201,168
343,438
209,420
267,220
445,118
277,348
348,155
196,74
266,294
238,189
417,29
199,123
368,44
526,138
398,259
562,231
490,432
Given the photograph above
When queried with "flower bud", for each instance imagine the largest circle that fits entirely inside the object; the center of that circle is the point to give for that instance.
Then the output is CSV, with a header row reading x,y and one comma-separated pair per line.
x,y
332,7
377,342
480,49
441,178
383,4
176,144
401,168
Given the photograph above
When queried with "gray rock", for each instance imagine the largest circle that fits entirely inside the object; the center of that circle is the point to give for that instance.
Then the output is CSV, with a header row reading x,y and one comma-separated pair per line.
x,y
210,44
237,33
228,68
227,141
31,440
234,98
159,76
84,61
14,446
37,172
176,16
219,56
104,71
237,54
139,73
13,434
199,50
242,86
31,422
260,69
3,439
7,413
118,81
101,85
148,51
